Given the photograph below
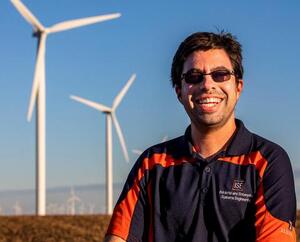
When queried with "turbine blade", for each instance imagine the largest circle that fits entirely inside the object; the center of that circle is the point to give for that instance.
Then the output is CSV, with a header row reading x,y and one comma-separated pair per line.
x,y
165,138
92,104
121,137
39,74
137,152
81,22
122,93
27,15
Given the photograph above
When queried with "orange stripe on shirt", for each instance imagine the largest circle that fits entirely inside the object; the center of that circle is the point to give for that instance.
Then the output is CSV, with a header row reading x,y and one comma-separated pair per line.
x,y
275,230
123,212
269,228
254,158
260,209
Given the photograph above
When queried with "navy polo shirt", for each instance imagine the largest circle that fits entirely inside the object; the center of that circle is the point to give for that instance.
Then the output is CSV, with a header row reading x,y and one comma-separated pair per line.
x,y
243,193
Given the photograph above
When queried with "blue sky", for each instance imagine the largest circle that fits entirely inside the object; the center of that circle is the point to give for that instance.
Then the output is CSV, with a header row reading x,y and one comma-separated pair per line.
x,y
96,61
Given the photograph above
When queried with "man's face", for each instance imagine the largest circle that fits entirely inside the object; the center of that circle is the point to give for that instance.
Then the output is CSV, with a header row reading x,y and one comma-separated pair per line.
x,y
209,103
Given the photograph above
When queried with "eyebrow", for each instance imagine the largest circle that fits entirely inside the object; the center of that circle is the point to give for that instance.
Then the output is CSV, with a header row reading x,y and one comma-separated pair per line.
x,y
217,68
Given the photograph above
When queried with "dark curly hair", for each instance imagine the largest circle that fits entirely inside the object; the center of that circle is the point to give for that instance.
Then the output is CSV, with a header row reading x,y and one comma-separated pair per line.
x,y
206,41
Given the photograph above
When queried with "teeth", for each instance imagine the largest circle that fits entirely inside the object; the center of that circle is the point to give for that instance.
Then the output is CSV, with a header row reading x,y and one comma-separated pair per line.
x,y
211,100
209,104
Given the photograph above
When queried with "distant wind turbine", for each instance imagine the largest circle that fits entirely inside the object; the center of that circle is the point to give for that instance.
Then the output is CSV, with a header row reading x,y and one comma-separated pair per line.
x,y
17,208
110,116
71,203
38,92
139,152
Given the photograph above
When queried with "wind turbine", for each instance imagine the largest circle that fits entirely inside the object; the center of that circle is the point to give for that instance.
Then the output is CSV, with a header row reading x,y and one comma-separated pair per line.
x,y
38,92
110,116
17,208
71,202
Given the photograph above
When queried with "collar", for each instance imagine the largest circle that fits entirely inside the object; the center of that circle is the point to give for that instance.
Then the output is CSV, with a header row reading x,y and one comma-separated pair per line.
x,y
240,143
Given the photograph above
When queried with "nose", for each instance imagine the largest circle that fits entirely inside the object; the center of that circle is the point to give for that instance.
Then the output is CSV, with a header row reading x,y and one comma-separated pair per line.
x,y
207,83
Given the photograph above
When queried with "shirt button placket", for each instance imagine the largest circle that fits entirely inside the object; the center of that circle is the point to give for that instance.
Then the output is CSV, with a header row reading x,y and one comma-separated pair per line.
x,y
204,190
205,182
207,169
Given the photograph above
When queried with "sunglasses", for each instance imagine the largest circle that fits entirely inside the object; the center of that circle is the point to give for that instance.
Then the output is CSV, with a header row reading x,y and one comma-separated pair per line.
x,y
195,76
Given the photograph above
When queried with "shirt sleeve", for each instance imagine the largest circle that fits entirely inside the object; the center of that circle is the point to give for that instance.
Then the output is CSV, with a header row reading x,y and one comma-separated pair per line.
x,y
276,200
130,212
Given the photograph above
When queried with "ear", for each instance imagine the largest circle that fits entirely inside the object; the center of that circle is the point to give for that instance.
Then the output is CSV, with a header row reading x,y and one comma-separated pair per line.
x,y
178,92
239,87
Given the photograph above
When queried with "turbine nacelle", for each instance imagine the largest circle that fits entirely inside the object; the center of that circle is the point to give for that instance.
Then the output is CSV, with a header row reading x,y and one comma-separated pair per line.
x,y
111,111
37,34
38,91
110,117
41,32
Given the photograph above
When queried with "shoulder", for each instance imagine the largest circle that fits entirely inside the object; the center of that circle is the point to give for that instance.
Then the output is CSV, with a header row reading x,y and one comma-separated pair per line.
x,y
173,150
163,154
277,165
277,185
256,149
174,147
271,151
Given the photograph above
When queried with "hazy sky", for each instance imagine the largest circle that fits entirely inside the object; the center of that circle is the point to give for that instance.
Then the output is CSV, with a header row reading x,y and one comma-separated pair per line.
x,y
96,61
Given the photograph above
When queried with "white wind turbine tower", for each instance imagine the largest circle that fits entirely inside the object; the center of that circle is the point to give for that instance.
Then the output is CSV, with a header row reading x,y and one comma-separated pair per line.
x,y
110,116
38,92
17,208
71,202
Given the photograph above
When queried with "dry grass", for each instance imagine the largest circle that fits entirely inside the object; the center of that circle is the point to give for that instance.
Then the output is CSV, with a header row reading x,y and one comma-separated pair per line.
x,y
53,228
90,228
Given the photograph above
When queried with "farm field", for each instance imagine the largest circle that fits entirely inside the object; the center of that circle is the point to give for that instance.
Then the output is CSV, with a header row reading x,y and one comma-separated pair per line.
x,y
80,228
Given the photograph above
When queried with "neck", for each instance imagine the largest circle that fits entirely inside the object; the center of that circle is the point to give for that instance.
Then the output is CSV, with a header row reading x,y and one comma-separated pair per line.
x,y
209,140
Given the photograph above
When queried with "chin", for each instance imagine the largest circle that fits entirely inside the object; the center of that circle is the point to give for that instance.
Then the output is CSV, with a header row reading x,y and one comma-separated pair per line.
x,y
210,119
209,122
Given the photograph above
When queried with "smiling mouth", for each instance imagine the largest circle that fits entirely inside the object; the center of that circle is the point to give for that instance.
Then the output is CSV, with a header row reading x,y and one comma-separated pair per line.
x,y
208,102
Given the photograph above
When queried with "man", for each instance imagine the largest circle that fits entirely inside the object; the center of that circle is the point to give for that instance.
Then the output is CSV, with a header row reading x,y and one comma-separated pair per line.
x,y
217,182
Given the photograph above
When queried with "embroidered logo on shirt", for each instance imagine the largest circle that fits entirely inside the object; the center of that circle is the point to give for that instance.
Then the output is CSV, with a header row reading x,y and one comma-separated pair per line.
x,y
237,192
286,231
235,196
238,185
